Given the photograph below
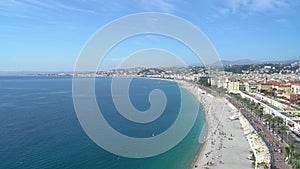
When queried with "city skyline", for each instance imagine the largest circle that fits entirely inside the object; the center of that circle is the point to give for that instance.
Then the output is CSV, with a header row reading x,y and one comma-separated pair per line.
x,y
49,35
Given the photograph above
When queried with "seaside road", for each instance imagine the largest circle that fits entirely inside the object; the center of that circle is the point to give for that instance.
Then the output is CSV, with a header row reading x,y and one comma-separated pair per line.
x,y
268,135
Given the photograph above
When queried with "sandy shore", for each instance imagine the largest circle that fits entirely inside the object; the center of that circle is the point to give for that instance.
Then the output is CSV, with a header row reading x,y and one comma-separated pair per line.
x,y
224,144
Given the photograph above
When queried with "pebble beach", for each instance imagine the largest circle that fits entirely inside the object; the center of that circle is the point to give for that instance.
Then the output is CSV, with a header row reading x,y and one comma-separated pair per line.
x,y
223,144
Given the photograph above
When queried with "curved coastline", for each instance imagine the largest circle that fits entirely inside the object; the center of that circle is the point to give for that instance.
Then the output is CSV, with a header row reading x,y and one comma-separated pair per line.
x,y
205,132
192,89
218,143
223,144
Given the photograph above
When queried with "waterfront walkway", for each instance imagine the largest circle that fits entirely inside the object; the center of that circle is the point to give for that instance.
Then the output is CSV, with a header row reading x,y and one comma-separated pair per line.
x,y
274,142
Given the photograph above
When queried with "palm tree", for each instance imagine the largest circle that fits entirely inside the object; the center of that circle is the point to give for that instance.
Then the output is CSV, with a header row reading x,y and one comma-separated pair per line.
x,y
287,152
272,120
278,120
290,153
296,155
292,149
268,117
281,129
295,163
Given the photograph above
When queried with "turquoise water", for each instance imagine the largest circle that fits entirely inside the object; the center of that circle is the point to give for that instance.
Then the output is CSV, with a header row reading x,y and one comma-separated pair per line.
x,y
39,127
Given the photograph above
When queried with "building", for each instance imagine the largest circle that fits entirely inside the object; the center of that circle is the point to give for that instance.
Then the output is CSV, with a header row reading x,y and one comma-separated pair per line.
x,y
233,85
252,87
270,108
294,98
284,87
295,89
265,85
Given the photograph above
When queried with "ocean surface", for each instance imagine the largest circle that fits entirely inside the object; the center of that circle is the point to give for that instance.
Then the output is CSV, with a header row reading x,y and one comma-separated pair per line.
x,y
39,127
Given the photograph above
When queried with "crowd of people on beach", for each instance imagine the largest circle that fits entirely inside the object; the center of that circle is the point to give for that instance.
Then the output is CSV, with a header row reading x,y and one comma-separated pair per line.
x,y
216,132
215,152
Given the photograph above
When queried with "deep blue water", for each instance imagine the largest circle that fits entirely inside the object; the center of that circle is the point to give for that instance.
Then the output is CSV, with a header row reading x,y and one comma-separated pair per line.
x,y
39,127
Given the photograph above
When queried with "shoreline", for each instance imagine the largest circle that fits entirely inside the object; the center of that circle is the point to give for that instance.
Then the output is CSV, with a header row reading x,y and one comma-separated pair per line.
x,y
202,97
210,137
205,132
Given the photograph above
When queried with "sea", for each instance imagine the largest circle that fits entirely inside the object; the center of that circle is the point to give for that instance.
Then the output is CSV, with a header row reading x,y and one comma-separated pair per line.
x,y
39,128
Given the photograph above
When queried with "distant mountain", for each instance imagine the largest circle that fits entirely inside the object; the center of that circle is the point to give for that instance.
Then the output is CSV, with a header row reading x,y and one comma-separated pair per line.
x,y
239,62
249,62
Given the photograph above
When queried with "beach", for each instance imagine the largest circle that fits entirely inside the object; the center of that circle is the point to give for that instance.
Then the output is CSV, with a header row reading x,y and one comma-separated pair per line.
x,y
223,143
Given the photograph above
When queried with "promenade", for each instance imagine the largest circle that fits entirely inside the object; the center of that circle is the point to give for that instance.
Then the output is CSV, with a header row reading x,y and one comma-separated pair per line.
x,y
274,142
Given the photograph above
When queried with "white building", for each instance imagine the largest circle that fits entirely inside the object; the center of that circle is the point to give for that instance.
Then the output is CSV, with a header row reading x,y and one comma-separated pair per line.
x,y
295,89
292,122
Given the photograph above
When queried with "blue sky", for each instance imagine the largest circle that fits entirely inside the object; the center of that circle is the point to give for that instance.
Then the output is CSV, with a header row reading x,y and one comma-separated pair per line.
x,y
48,35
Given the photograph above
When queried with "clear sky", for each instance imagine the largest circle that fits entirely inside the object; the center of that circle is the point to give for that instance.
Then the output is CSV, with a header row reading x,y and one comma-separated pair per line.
x,y
47,35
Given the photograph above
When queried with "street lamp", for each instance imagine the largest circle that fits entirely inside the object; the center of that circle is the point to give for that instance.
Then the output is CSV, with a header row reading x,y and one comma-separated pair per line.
x,y
287,136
